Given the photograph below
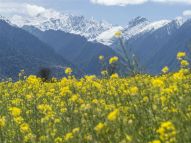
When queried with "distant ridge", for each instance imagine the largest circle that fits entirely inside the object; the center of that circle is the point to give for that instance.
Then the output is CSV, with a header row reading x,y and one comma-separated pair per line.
x,y
75,48
21,50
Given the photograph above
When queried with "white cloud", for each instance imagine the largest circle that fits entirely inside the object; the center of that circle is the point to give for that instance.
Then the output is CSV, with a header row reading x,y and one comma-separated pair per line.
x,y
186,13
33,10
19,13
118,2
11,8
134,2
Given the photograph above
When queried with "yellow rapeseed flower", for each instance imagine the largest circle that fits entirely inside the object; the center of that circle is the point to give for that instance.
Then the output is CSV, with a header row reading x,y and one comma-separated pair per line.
x,y
68,109
133,90
24,128
184,63
118,34
68,71
74,98
29,137
15,111
157,83
113,115
165,70
167,132
99,127
45,109
33,80
155,141
115,75
58,140
75,130
101,58
181,55
113,60
68,136
2,122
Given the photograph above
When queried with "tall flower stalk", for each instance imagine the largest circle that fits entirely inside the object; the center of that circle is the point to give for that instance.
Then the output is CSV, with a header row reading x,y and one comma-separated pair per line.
x,y
129,59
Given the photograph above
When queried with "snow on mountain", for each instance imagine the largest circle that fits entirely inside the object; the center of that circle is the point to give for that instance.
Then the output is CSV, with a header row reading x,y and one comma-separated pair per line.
x,y
181,20
4,19
136,27
1,17
106,37
50,19
148,27
97,31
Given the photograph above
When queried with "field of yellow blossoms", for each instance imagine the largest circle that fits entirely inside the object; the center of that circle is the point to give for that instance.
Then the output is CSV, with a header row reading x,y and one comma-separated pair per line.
x,y
139,109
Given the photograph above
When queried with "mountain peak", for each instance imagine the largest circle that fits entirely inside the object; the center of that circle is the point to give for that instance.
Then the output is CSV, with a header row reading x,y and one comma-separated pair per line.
x,y
136,21
2,18
180,20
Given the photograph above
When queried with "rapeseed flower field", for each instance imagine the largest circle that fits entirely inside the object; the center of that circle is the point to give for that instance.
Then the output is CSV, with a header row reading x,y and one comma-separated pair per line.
x,y
137,109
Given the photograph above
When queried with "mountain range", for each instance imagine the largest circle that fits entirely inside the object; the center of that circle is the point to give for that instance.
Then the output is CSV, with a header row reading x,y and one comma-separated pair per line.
x,y
31,49
20,50
77,41
75,48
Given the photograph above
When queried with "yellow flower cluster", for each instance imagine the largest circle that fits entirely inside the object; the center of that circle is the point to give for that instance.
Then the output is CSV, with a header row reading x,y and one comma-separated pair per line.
x,y
101,58
184,63
155,141
68,71
113,60
165,70
99,127
2,122
112,109
118,34
15,112
181,55
167,132
113,115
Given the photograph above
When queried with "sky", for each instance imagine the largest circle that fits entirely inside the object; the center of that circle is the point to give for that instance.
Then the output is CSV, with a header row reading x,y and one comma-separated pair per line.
x,y
114,11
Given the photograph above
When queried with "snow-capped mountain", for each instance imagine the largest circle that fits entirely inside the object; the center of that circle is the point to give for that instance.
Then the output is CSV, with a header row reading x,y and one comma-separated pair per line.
x,y
69,23
144,38
143,28
97,31
135,28
180,21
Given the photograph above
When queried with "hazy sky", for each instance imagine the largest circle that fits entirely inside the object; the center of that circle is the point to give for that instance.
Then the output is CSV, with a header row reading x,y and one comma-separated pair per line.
x,y
113,11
